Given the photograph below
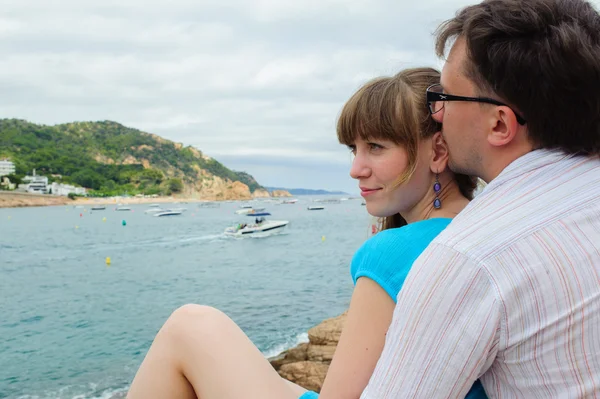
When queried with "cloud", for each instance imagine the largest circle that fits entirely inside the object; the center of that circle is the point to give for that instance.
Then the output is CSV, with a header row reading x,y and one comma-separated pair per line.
x,y
253,79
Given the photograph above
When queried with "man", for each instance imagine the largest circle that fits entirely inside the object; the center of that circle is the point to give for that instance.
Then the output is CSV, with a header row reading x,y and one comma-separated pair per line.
x,y
509,293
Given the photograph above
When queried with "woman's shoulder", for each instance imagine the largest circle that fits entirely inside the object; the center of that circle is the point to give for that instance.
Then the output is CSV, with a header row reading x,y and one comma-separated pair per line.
x,y
413,233
387,257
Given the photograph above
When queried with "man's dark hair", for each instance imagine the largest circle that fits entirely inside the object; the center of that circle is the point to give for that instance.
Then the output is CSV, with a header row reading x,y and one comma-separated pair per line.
x,y
543,58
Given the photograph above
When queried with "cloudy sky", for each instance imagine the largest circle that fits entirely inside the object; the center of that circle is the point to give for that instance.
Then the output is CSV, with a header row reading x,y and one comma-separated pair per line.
x,y
256,84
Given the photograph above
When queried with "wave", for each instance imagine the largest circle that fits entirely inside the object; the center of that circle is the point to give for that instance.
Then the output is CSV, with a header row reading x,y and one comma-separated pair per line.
x,y
288,344
112,393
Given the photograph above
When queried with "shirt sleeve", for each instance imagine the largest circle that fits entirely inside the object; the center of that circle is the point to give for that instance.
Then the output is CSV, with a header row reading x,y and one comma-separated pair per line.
x,y
444,332
386,259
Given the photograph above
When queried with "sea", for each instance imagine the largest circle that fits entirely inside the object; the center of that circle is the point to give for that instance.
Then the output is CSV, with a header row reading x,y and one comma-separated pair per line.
x,y
83,293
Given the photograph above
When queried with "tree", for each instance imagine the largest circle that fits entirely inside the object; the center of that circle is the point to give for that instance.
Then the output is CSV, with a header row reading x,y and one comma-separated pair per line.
x,y
174,185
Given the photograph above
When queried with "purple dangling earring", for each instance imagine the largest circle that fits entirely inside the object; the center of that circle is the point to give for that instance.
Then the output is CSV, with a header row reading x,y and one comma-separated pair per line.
x,y
437,187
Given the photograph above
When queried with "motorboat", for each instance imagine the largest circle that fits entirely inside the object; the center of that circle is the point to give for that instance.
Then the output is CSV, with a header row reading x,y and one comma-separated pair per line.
x,y
168,212
289,201
258,214
122,208
315,207
98,208
245,211
154,210
260,226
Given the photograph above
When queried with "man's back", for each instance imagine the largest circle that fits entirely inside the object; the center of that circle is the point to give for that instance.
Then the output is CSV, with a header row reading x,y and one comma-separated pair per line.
x,y
509,292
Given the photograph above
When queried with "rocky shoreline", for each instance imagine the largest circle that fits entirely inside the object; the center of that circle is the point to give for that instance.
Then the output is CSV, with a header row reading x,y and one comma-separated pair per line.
x,y
307,363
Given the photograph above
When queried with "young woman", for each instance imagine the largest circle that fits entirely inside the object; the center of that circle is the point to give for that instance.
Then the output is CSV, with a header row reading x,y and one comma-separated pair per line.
x,y
400,162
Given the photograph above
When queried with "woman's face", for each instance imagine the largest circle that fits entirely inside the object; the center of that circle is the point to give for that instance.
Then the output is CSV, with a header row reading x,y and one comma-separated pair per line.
x,y
377,165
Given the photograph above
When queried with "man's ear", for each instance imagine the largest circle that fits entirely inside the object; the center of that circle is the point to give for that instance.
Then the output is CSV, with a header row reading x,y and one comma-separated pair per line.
x,y
504,127
439,153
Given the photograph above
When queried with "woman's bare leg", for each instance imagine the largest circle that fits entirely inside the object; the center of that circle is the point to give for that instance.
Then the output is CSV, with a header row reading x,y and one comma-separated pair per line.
x,y
200,352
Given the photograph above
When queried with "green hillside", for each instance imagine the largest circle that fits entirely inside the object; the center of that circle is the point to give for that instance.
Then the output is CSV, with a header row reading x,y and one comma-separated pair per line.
x,y
109,158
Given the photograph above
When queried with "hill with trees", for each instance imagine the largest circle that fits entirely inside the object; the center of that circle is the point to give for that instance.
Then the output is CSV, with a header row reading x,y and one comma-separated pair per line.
x,y
111,159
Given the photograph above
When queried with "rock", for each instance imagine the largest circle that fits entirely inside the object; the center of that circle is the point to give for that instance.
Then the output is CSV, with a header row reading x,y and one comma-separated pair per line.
x,y
280,193
307,364
261,193
328,332
321,353
309,375
293,355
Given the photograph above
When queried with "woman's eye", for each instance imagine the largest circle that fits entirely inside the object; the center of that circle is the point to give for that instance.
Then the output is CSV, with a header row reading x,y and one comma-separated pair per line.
x,y
375,146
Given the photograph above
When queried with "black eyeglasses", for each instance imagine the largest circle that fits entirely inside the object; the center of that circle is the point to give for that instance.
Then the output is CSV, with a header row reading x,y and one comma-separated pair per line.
x,y
436,99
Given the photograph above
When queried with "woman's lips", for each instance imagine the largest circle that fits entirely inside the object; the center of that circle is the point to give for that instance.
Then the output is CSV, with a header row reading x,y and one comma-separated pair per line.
x,y
368,191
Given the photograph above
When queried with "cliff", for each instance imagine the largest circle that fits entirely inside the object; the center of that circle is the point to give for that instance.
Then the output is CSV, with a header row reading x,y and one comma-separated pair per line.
x,y
280,193
112,159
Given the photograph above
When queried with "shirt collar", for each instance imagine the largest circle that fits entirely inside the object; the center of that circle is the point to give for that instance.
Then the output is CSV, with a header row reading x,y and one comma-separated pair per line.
x,y
527,163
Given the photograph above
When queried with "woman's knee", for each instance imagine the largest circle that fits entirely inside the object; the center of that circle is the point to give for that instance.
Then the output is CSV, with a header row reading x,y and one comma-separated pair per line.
x,y
195,320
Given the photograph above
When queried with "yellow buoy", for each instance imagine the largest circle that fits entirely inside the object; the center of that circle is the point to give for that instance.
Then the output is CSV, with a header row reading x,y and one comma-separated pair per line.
x,y
322,238
76,227
108,261
104,219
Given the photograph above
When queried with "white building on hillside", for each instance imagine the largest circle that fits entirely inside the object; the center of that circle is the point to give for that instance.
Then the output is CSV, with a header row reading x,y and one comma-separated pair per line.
x,y
66,189
6,167
35,184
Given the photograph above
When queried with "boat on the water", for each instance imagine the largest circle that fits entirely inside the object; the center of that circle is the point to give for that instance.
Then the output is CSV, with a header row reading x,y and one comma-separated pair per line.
x,y
245,211
168,212
263,226
122,208
208,204
98,208
259,214
315,207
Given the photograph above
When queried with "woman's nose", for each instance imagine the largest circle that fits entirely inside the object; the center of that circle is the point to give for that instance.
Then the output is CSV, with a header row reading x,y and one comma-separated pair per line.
x,y
359,168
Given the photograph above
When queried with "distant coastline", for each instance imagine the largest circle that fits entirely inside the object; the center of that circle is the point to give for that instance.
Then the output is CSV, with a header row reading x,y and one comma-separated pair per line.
x,y
306,191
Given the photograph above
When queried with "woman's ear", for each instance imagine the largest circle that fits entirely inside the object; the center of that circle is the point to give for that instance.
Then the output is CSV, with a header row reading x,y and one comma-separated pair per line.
x,y
439,153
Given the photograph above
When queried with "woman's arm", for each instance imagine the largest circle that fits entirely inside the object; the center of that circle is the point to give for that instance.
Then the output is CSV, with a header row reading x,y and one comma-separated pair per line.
x,y
361,342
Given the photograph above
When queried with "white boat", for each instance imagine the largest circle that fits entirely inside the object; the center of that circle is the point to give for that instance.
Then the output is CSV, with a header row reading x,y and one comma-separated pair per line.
x,y
263,226
168,212
122,208
328,201
98,208
289,201
153,210
246,211
209,205
315,207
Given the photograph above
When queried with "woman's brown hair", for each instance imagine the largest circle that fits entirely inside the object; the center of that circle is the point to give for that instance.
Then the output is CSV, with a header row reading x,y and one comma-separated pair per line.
x,y
395,109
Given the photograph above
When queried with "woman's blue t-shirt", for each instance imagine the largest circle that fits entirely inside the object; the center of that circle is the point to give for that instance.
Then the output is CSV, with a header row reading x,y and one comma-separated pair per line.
x,y
387,257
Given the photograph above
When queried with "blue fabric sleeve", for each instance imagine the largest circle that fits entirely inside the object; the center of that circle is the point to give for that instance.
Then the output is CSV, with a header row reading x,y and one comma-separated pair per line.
x,y
309,395
387,257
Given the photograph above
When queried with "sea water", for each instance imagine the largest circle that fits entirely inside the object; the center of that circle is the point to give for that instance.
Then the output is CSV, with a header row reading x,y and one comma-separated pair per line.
x,y
73,326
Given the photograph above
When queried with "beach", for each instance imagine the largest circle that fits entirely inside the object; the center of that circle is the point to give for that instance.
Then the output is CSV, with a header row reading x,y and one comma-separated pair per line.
x,y
11,199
